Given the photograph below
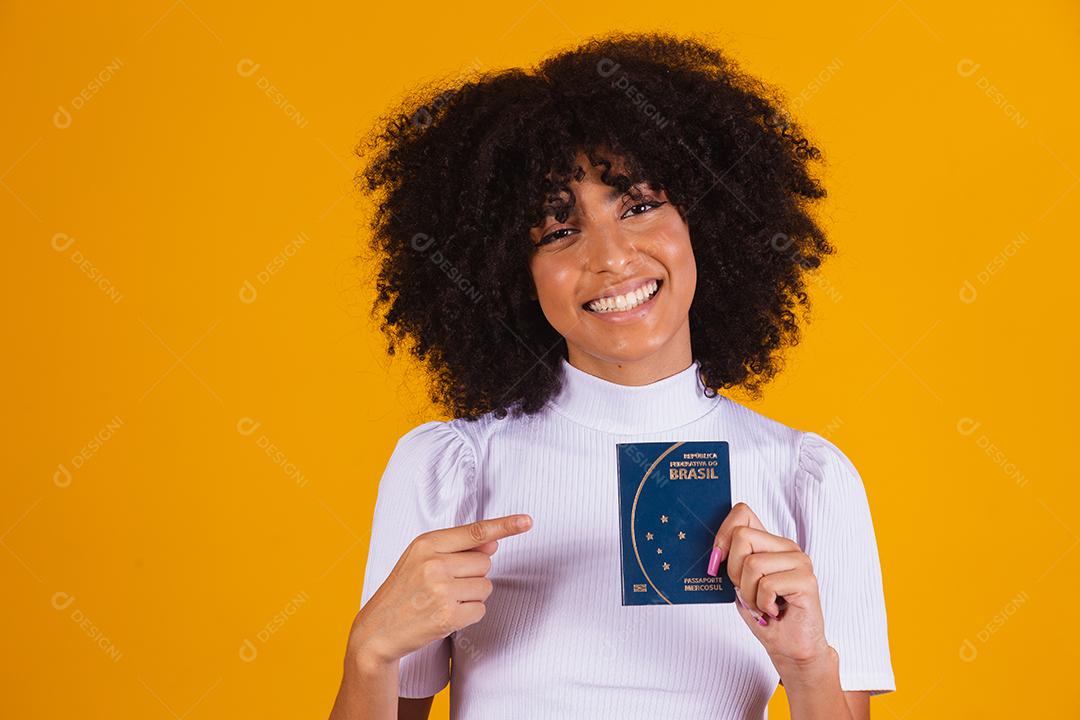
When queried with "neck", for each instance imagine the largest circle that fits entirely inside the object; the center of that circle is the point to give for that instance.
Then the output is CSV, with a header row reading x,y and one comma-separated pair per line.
x,y
667,403
673,357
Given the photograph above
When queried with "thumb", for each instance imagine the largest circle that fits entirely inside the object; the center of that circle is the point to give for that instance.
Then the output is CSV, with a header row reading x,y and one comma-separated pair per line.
x,y
488,548
740,514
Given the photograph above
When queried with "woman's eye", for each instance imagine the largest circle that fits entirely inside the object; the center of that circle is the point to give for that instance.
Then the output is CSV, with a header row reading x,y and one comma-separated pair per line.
x,y
647,203
552,236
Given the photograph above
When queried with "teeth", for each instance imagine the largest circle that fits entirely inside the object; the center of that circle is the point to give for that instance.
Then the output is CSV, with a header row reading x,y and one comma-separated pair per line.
x,y
627,301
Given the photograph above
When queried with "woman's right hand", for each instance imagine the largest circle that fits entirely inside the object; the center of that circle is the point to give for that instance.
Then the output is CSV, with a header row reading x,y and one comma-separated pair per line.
x,y
438,585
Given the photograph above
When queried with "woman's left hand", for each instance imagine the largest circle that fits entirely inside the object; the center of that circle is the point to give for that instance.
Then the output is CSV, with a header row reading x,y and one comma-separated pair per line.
x,y
776,589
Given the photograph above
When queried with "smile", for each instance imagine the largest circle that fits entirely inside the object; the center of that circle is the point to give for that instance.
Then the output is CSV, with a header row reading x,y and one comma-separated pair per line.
x,y
626,301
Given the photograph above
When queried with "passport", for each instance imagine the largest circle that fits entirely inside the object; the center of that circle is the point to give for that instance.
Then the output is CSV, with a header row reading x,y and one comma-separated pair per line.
x,y
673,496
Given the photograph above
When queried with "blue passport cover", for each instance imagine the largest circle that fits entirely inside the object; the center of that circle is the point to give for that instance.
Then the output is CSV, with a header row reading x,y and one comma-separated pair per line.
x,y
672,498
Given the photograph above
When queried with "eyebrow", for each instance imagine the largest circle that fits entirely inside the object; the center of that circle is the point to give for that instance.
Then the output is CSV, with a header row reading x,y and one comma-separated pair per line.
x,y
615,194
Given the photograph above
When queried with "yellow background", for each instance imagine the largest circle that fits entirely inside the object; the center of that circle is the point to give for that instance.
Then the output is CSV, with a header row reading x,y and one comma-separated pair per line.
x,y
188,459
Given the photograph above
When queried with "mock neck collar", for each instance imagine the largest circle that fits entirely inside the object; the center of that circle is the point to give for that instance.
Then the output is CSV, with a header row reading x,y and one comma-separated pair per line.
x,y
665,404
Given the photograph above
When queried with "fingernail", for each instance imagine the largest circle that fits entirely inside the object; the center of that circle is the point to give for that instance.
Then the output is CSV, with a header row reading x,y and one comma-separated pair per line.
x,y
760,619
714,561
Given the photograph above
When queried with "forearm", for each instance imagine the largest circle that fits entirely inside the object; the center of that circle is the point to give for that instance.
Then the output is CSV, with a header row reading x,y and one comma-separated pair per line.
x,y
369,690
813,690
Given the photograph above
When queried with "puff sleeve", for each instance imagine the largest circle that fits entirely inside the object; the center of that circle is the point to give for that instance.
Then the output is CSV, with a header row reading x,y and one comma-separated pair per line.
x,y
834,528
427,485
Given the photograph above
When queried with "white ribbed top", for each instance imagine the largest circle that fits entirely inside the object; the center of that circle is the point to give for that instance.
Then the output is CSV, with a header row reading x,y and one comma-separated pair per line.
x,y
556,641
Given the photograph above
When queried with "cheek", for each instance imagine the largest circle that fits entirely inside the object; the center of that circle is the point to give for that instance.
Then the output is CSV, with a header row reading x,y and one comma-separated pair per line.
x,y
676,252
555,285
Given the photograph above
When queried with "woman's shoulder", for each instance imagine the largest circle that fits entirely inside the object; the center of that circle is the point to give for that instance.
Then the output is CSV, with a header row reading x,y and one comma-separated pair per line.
x,y
458,441
820,457
434,438
430,475
461,437
811,453
764,432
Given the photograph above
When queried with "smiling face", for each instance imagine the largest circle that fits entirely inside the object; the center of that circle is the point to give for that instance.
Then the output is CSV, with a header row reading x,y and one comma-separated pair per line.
x,y
616,279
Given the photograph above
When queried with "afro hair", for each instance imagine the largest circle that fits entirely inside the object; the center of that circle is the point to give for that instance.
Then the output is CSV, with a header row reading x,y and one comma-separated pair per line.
x,y
459,170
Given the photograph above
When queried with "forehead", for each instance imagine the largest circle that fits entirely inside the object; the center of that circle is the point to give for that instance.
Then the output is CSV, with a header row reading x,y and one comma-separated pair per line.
x,y
585,179
584,171
567,189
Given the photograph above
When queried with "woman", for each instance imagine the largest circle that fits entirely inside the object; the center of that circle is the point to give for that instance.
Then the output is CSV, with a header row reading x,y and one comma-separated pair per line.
x,y
582,254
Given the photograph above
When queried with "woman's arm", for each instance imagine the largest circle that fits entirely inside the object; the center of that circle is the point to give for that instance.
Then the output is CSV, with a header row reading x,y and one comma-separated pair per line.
x,y
777,595
369,692
858,701
368,689
438,585
813,691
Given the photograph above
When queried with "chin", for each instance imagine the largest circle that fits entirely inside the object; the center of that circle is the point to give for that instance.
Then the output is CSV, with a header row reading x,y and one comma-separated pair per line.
x,y
623,345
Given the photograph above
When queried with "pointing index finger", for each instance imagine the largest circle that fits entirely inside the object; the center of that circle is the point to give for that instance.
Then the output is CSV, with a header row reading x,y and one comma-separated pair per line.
x,y
480,532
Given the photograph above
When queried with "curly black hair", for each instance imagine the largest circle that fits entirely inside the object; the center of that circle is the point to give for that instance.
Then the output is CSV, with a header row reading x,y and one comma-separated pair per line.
x,y
461,170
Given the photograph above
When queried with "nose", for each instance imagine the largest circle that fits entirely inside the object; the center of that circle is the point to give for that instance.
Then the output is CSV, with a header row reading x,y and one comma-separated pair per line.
x,y
610,249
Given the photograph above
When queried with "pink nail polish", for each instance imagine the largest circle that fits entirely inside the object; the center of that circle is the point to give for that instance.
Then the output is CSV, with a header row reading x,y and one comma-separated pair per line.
x,y
759,618
714,561
742,602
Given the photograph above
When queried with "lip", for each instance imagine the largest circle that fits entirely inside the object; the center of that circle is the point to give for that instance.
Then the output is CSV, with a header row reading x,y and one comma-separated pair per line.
x,y
624,287
635,313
